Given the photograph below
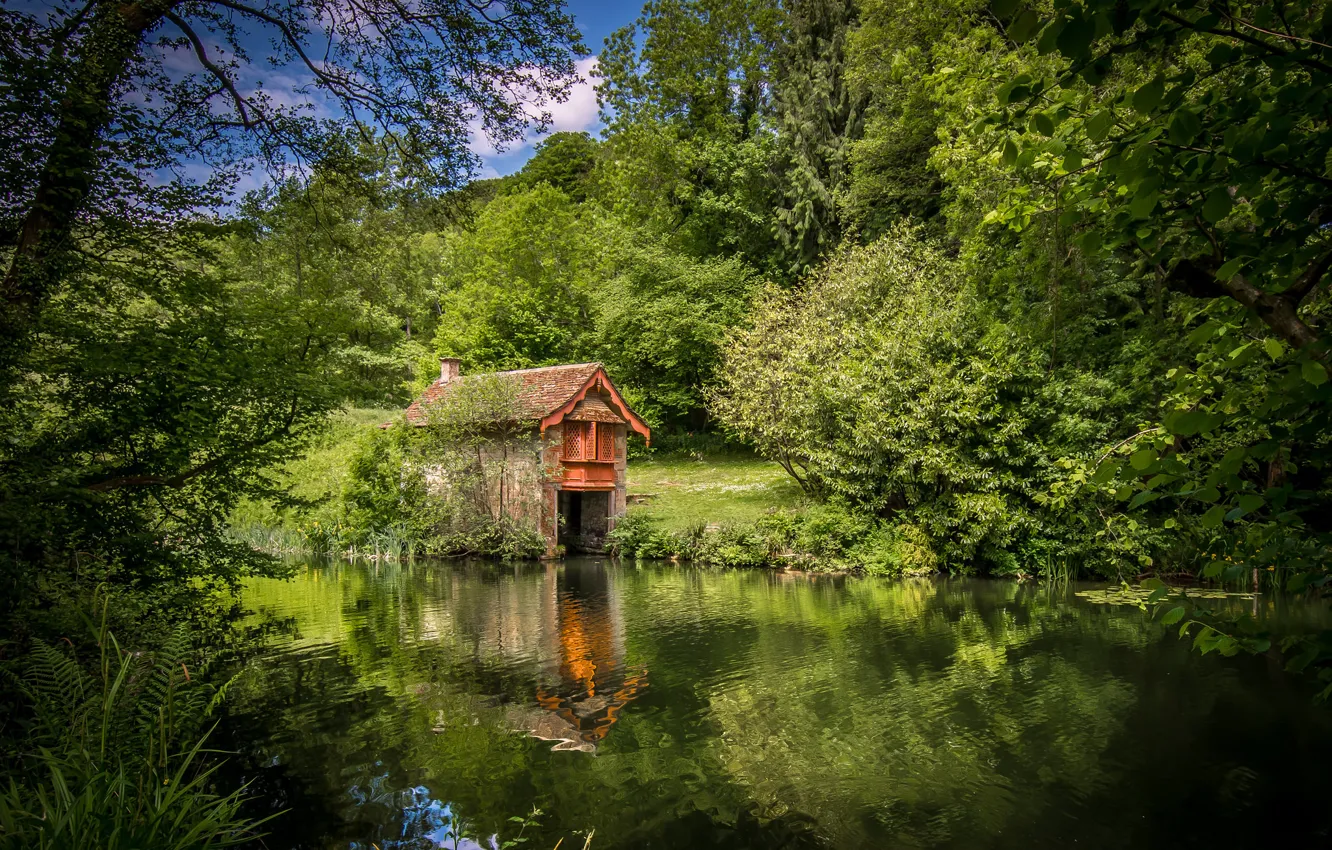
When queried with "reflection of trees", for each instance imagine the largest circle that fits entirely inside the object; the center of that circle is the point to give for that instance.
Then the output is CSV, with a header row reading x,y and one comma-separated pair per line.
x,y
429,673
926,707
828,740
782,710
391,680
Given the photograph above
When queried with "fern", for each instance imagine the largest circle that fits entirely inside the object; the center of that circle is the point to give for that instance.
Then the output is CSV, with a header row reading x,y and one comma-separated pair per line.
x,y
117,756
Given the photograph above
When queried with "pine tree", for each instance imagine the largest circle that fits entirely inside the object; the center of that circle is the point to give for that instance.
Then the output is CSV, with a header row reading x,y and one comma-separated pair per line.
x,y
818,115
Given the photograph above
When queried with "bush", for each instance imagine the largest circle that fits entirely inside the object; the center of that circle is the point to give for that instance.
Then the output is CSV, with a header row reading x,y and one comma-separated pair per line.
x,y
826,537
636,536
897,550
891,386
831,531
735,546
505,538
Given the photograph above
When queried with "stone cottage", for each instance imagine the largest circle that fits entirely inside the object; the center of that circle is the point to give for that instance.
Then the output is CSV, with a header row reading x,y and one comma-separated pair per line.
x,y
569,473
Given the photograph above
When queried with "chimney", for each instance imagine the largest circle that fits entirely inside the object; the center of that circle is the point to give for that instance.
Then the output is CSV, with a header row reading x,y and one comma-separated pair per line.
x,y
448,369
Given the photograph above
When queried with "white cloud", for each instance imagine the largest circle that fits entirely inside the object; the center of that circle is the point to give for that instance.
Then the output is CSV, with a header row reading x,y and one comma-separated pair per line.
x,y
577,113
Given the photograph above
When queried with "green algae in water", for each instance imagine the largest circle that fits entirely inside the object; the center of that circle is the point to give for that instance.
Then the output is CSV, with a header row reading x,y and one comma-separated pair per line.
x,y
1136,596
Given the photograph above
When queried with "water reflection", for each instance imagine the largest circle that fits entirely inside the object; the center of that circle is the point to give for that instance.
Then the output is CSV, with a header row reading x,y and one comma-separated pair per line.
x,y
594,682
783,711
426,822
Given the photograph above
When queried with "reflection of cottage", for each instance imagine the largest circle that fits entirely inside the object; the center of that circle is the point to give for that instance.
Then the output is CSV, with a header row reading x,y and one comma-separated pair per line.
x,y
587,682
595,684
571,477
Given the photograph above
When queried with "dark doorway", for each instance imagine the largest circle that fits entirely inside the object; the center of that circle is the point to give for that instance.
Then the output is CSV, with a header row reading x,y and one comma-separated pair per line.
x,y
584,520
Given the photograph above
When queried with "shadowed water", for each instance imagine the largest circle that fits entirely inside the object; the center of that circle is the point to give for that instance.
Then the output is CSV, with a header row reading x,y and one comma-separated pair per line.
x,y
415,706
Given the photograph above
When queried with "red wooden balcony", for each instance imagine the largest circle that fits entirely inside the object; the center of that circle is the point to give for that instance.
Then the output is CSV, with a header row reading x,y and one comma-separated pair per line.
x,y
588,475
587,456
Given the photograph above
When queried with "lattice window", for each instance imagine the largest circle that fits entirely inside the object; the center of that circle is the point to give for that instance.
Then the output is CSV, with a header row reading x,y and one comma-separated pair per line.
x,y
605,441
575,439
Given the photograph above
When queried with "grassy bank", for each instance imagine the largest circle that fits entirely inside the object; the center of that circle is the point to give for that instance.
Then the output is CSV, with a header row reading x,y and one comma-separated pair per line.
x,y
743,511
679,492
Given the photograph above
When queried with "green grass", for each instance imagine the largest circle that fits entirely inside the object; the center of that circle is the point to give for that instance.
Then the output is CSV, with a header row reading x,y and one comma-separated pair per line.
x,y
318,475
324,467
686,492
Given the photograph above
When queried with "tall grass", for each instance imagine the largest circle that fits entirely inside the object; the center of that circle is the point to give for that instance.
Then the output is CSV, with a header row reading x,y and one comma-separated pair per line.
x,y
273,540
116,756
393,543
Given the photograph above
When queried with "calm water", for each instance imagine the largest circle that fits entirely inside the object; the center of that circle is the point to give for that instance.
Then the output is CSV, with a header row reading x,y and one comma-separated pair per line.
x,y
406,706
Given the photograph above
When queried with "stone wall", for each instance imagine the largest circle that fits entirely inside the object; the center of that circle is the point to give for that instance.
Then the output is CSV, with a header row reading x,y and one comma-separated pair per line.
x,y
519,478
514,475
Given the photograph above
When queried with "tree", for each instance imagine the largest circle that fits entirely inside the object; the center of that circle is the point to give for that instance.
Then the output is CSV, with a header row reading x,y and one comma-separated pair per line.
x,y
894,56
105,100
1192,139
514,289
661,323
1203,149
701,65
818,116
565,161
356,258
154,399
884,385
686,96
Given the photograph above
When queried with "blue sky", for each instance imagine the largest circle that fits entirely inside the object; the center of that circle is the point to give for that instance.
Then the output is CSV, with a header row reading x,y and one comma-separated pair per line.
x,y
597,19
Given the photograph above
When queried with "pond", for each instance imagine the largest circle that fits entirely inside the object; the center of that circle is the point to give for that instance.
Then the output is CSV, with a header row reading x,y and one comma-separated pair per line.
x,y
425,705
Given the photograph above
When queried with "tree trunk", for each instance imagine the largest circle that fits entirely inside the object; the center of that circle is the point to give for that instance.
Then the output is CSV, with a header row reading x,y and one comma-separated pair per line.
x,y
69,166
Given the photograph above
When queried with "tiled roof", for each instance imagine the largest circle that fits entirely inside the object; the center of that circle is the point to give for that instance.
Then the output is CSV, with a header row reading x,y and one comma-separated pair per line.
x,y
594,409
538,391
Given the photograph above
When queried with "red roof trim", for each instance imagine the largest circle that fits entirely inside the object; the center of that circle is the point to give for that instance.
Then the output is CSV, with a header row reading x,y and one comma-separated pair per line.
x,y
601,381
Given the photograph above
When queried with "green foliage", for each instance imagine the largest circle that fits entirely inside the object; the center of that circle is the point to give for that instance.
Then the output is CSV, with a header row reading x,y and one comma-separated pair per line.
x,y
636,535
351,259
538,279
818,117
1206,155
1192,135
895,57
686,95
378,494
820,539
515,289
564,161
660,324
885,385
115,757
157,398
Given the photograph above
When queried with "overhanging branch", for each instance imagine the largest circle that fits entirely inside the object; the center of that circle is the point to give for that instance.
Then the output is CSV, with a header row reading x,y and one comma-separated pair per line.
x,y
1279,311
227,83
